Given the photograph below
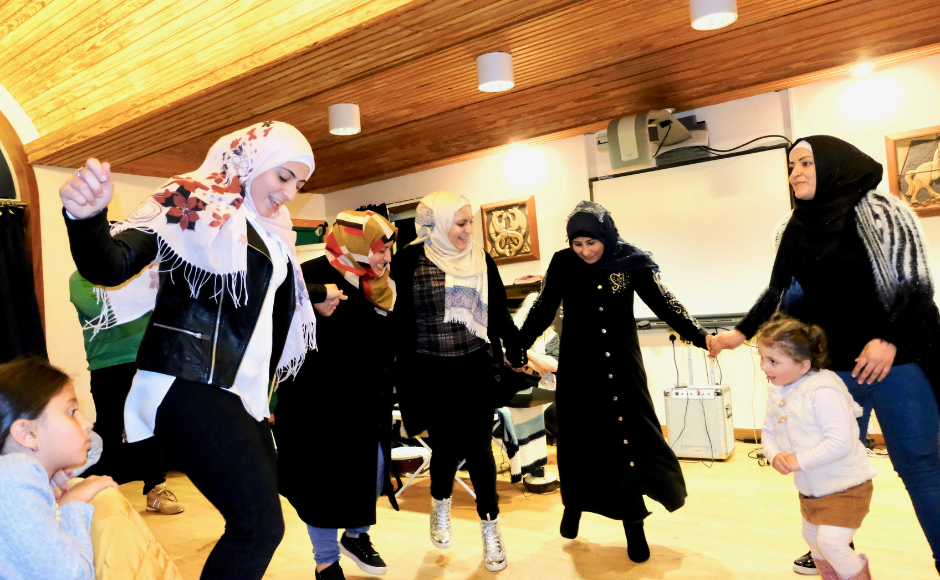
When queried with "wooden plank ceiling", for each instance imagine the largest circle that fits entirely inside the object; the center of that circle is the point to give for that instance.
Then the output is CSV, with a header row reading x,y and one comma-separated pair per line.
x,y
150,84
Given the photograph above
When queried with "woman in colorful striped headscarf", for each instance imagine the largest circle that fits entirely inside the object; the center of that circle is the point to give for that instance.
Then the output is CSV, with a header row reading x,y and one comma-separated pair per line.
x,y
347,385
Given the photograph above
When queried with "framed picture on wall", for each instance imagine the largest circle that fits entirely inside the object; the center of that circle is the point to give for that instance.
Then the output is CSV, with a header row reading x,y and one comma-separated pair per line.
x,y
510,231
914,168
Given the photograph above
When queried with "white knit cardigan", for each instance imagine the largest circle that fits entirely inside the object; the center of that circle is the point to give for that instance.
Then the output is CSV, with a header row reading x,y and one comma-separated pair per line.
x,y
796,430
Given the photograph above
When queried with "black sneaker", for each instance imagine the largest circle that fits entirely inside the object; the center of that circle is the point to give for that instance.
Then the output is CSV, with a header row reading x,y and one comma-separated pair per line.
x,y
805,565
331,572
361,551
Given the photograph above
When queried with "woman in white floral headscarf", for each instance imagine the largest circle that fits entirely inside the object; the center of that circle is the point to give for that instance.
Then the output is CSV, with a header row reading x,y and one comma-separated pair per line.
x,y
232,315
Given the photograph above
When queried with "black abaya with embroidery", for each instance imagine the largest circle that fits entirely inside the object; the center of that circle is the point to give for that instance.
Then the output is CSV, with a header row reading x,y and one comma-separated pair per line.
x,y
611,449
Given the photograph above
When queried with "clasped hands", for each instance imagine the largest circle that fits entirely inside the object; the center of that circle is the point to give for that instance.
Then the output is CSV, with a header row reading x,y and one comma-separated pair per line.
x,y
873,364
786,463
333,297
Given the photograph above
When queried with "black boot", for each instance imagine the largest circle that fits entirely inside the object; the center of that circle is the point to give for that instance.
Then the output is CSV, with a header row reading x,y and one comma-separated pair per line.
x,y
637,548
569,524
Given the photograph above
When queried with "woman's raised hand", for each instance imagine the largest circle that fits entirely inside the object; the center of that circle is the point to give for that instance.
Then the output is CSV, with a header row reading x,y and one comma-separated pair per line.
x,y
724,340
87,489
875,361
88,190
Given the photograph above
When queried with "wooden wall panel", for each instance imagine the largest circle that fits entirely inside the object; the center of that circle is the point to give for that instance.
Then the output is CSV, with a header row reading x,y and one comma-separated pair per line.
x,y
29,194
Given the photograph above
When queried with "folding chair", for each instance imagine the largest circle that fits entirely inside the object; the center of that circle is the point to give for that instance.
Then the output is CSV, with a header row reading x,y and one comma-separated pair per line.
x,y
414,452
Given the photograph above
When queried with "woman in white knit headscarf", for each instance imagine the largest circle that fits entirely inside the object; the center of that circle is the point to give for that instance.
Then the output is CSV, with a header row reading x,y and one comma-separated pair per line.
x,y
451,321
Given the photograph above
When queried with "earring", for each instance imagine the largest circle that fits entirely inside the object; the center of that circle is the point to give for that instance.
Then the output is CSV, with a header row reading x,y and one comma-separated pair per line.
x,y
35,449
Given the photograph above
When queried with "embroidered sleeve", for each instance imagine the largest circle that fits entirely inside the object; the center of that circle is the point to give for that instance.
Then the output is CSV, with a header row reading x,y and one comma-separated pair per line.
x,y
543,310
666,306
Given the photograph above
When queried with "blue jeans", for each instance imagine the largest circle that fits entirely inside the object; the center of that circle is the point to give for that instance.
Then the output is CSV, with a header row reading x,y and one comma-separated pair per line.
x,y
324,540
907,412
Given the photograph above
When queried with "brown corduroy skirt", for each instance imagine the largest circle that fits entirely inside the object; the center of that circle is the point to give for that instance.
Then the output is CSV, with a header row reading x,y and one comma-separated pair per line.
x,y
845,509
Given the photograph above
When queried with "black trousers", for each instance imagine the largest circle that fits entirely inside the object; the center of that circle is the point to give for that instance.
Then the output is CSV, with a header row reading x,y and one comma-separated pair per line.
x,y
461,427
122,461
230,458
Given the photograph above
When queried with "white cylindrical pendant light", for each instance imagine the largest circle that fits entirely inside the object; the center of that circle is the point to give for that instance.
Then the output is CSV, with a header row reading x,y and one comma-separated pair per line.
x,y
494,72
344,119
712,14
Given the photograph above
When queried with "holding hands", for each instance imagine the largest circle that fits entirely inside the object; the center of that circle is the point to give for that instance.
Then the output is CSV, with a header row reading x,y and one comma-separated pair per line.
x,y
89,190
730,339
333,297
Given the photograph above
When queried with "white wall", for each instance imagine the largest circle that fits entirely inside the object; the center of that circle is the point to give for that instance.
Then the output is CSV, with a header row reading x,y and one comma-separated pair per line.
x,y
864,110
308,206
555,173
729,125
859,110
63,332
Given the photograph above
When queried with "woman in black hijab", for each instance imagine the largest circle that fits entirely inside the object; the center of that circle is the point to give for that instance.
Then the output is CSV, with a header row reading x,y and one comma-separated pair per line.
x,y
611,450
852,261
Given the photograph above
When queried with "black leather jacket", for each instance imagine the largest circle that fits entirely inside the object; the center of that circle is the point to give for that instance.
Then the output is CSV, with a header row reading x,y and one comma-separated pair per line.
x,y
200,339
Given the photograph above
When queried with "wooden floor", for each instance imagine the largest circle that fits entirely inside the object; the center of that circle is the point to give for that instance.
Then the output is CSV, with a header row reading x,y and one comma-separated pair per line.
x,y
741,521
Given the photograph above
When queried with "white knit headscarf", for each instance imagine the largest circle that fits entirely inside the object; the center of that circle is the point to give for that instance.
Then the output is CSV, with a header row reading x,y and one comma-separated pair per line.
x,y
466,293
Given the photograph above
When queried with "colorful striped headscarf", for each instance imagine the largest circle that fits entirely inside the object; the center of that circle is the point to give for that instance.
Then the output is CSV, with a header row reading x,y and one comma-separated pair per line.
x,y
355,236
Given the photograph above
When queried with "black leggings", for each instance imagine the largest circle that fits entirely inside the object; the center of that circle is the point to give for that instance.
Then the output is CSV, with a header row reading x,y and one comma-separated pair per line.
x,y
461,427
122,461
230,458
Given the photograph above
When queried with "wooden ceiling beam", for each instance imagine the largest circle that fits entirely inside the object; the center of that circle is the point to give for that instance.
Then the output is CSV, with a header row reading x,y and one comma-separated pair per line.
x,y
557,44
138,126
746,62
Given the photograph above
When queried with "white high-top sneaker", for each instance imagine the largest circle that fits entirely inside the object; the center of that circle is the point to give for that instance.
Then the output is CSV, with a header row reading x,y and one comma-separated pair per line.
x,y
440,523
494,551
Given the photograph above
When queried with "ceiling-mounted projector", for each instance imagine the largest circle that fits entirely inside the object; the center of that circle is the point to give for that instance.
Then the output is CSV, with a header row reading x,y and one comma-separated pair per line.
x,y
639,139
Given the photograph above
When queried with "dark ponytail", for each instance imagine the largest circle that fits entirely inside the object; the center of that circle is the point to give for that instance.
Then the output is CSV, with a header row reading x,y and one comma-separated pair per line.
x,y
26,387
799,340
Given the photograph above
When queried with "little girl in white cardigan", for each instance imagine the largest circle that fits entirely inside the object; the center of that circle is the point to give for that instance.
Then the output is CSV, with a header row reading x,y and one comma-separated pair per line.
x,y
810,431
